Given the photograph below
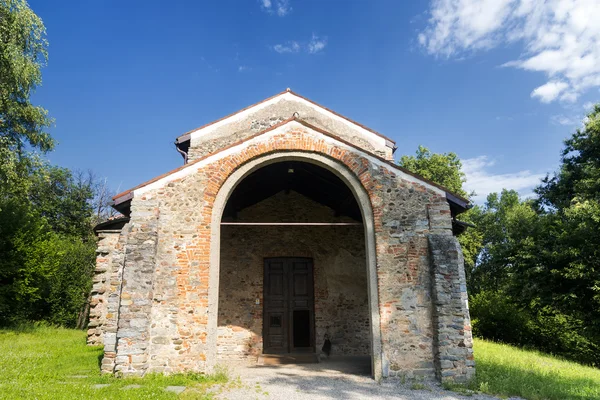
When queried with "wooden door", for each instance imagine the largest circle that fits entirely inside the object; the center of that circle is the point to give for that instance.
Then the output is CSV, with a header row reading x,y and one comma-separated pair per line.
x,y
288,314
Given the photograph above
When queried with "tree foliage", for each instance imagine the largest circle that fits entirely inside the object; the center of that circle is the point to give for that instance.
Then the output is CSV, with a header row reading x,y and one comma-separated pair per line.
x,y
23,52
46,212
541,257
443,169
46,249
533,265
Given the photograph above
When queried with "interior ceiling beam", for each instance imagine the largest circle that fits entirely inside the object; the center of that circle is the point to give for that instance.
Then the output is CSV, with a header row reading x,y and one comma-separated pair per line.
x,y
294,223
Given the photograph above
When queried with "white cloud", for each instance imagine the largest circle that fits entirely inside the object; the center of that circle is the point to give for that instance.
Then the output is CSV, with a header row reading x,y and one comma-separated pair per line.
x,y
587,106
483,182
560,38
243,68
550,91
316,44
278,7
290,47
564,120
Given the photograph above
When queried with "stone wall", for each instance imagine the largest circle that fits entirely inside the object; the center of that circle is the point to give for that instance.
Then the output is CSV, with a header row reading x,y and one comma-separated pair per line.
x,y
340,278
232,132
107,251
133,333
165,313
404,277
452,324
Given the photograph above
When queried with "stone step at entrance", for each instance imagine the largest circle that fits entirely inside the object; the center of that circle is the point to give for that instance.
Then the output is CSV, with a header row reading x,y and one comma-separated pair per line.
x,y
277,359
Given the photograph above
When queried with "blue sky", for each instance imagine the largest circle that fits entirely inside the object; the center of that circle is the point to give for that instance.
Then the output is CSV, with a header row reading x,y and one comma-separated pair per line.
x,y
496,82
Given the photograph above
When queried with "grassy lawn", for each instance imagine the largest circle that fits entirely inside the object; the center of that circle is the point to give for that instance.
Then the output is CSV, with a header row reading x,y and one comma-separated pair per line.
x,y
508,371
51,363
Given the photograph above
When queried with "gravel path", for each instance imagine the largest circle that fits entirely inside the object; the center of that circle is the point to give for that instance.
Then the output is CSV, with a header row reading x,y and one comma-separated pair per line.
x,y
330,379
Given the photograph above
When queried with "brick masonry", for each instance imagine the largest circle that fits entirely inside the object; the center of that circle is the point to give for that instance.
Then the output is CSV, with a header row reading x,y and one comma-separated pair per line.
x,y
340,276
164,302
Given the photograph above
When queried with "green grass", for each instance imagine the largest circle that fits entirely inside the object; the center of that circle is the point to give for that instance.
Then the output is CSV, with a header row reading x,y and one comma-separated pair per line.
x,y
53,363
509,371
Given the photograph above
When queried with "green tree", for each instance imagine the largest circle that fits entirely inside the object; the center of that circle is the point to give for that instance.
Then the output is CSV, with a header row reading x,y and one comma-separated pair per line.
x,y
63,199
570,199
541,258
47,249
579,176
23,52
443,169
46,242
521,290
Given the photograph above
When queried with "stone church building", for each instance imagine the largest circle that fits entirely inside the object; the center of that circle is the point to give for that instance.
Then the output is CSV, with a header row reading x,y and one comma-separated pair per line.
x,y
287,224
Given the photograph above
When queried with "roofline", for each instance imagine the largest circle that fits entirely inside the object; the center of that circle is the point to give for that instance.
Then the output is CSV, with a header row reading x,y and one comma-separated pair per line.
x,y
455,198
110,222
187,136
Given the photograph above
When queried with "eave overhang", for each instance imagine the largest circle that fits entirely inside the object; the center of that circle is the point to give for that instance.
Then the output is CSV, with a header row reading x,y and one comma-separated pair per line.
x,y
186,137
458,204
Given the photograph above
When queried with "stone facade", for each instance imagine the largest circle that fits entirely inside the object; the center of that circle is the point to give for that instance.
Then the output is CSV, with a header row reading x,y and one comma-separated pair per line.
x,y
278,109
179,267
108,252
340,276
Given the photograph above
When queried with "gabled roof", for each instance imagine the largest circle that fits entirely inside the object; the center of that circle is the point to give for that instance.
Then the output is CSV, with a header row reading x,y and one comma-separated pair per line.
x,y
458,201
288,93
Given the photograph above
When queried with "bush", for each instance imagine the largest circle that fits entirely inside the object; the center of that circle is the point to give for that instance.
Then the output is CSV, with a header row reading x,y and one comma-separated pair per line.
x,y
497,317
44,275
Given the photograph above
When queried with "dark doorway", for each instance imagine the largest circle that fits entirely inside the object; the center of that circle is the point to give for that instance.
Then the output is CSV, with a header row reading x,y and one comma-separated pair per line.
x,y
288,314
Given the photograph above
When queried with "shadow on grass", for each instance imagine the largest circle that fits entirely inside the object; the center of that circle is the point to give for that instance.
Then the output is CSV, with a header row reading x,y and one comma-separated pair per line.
x,y
22,328
496,378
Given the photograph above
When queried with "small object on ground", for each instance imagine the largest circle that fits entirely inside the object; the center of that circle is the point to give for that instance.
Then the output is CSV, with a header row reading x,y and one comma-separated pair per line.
x,y
327,345
175,389
101,385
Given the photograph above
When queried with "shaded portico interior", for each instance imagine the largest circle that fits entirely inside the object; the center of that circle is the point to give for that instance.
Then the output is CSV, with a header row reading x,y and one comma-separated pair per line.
x,y
284,193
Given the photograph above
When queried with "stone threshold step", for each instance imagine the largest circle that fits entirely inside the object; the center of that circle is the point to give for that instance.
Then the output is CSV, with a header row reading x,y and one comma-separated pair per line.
x,y
278,359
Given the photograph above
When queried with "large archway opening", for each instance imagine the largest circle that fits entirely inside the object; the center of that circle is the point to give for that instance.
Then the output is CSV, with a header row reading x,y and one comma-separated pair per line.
x,y
362,197
293,273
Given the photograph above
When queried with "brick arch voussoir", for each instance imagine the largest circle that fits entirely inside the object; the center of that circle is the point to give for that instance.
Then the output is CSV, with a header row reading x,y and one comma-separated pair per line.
x,y
291,141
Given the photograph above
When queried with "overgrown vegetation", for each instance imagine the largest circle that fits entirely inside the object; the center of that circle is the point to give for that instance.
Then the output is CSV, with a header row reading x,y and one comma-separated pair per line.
x,y
42,362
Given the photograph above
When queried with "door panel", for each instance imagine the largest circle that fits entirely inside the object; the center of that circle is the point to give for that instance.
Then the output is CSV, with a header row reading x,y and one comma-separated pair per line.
x,y
275,315
288,317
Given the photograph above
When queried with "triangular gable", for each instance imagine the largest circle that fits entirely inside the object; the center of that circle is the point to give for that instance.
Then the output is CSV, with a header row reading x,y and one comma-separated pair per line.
x,y
196,164
285,95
